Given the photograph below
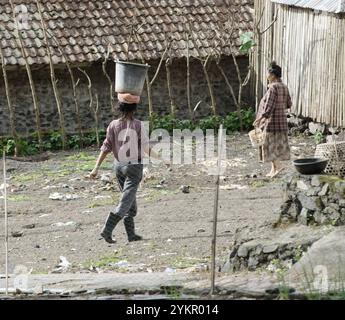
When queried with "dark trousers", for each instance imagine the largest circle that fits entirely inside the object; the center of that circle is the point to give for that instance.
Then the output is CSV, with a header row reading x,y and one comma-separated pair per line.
x,y
128,177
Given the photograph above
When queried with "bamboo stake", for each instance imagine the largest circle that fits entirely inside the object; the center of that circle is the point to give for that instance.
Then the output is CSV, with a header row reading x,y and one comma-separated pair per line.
x,y
91,107
53,78
215,212
111,87
191,113
31,81
74,87
172,100
9,103
6,220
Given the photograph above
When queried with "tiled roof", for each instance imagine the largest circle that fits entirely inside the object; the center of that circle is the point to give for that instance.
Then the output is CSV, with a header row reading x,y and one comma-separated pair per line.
x,y
84,28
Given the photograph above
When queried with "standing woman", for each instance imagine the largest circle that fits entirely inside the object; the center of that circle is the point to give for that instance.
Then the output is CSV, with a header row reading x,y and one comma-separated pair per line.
x,y
272,119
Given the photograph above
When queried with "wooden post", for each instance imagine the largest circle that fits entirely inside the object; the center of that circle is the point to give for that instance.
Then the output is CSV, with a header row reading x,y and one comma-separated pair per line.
x,y
18,35
53,78
6,221
215,212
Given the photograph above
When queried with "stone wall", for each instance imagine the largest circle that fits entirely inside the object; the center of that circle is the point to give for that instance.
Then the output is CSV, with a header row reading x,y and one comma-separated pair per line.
x,y
314,200
24,113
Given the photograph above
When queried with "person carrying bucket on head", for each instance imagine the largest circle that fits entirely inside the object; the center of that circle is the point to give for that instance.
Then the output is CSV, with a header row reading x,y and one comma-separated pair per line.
x,y
127,139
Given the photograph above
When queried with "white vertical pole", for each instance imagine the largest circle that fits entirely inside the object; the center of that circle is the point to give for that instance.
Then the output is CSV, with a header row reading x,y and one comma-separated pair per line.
x,y
215,211
6,224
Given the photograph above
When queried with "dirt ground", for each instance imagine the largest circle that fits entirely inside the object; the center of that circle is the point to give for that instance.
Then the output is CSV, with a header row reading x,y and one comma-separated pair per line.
x,y
176,226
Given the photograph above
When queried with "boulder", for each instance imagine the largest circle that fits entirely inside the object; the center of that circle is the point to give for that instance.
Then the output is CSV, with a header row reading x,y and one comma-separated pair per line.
x,y
310,203
315,127
323,263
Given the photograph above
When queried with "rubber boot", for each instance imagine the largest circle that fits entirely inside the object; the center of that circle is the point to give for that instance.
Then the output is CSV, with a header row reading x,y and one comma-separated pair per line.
x,y
110,224
130,229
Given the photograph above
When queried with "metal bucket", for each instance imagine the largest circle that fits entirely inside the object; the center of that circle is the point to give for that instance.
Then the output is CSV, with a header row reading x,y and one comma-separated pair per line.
x,y
130,77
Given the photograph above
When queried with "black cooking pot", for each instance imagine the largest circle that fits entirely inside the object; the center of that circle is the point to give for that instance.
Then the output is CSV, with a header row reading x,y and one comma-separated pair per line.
x,y
310,165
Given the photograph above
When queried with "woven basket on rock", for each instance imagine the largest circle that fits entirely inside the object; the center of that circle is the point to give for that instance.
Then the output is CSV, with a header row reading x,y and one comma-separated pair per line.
x,y
335,153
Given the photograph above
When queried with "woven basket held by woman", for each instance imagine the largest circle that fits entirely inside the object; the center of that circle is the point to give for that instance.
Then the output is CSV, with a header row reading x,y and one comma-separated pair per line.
x,y
272,119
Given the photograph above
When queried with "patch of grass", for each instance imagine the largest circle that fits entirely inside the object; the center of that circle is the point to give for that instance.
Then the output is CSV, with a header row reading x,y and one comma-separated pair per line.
x,y
18,198
258,183
173,292
81,156
27,177
104,201
185,262
155,194
103,262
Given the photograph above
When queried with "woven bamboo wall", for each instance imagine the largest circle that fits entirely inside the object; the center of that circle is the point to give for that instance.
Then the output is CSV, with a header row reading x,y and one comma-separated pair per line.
x,y
310,47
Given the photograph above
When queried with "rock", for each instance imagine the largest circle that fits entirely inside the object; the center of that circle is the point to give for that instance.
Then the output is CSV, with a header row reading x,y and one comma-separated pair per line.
x,y
316,127
29,226
242,251
2,186
324,191
64,224
302,185
315,181
342,203
270,248
310,203
312,192
318,216
56,196
305,216
59,196
185,189
17,234
322,264
227,267
105,178
62,266
252,263
340,187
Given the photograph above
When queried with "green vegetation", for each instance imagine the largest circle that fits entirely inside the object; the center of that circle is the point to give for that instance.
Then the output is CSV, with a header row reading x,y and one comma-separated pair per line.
x,y
103,262
173,292
53,140
319,137
231,122
18,198
104,201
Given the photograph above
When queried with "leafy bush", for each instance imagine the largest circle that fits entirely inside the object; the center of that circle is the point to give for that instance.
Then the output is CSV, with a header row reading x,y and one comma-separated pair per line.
x,y
53,140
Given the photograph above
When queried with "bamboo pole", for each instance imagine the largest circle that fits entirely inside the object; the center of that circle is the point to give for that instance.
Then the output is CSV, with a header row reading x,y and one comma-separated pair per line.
x,y
171,97
9,103
53,79
189,100
74,87
91,107
111,86
6,221
215,211
29,73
